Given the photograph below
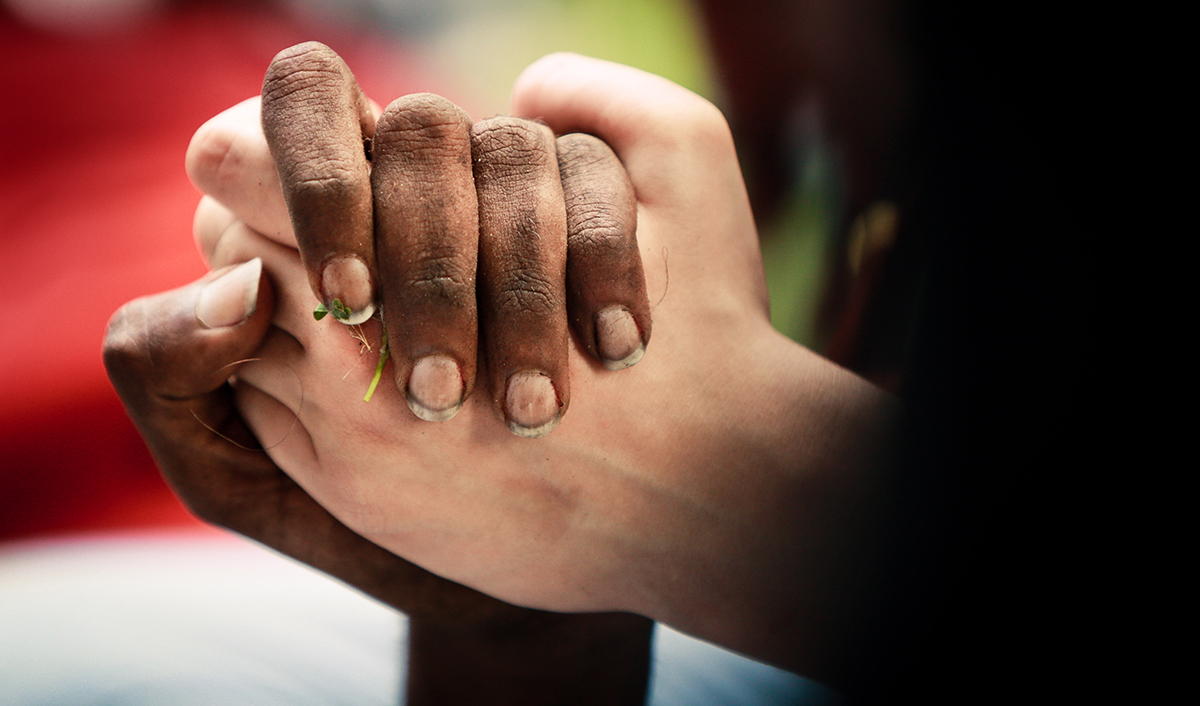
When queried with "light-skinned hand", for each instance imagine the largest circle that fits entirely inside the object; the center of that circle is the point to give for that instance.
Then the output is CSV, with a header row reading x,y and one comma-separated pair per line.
x,y
724,485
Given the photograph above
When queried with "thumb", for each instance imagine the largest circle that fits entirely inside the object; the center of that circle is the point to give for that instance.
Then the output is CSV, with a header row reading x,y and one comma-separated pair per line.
x,y
170,355
177,345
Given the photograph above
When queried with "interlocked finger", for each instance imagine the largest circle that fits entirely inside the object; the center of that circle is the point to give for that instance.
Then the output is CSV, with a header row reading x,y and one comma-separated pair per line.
x,y
606,287
317,121
427,236
522,272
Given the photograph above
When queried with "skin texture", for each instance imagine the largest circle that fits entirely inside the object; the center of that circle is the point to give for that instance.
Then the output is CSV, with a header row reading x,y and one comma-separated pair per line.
x,y
428,225
166,356
316,118
522,251
604,258
421,156
725,485
434,208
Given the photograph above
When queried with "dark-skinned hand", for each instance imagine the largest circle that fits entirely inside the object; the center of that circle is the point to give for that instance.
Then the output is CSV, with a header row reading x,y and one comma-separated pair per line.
x,y
477,239
406,228
722,486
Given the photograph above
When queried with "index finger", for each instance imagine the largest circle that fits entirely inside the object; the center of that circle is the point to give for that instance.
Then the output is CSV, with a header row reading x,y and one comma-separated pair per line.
x,y
317,121
229,161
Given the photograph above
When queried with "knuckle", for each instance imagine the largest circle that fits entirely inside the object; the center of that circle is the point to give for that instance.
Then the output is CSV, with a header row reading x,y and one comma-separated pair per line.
x,y
326,183
507,144
600,206
124,338
702,123
311,118
596,227
528,291
691,124
302,68
227,152
421,121
233,247
209,226
443,276
133,346
578,152
207,153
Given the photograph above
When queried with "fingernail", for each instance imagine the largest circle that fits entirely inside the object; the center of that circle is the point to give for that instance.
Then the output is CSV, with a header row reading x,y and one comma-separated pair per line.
x,y
435,388
348,280
230,299
532,405
618,339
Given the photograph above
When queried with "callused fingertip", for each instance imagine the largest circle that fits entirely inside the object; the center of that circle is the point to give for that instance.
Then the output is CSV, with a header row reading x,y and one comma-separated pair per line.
x,y
346,285
435,388
532,405
231,298
618,339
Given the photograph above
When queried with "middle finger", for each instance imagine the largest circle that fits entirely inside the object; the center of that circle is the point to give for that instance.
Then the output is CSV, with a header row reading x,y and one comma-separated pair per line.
x,y
427,235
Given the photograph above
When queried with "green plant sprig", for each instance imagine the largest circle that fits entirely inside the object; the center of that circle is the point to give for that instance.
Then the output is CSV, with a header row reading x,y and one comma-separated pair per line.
x,y
383,358
341,312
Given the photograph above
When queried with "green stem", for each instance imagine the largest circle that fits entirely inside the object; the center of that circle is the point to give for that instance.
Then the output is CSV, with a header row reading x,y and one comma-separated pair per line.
x,y
383,357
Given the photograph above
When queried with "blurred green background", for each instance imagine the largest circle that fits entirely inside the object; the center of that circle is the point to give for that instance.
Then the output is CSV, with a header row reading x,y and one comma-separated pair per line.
x,y
483,47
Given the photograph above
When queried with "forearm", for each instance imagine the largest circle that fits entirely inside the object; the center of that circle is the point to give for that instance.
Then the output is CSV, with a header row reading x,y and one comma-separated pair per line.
x,y
591,660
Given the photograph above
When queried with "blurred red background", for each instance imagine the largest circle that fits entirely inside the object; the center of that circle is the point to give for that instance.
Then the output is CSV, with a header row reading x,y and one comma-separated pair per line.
x,y
95,210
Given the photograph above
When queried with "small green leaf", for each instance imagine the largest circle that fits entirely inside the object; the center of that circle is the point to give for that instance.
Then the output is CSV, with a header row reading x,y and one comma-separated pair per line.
x,y
341,312
320,312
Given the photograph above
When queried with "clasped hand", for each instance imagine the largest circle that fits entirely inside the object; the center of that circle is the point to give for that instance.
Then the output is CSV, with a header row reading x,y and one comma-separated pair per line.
x,y
676,489
438,215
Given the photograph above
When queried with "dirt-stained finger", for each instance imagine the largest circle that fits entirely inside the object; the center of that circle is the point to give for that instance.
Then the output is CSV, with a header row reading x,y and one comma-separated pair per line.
x,y
606,287
522,270
427,237
318,124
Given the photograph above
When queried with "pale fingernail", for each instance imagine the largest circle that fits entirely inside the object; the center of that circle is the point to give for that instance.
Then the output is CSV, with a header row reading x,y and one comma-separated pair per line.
x,y
435,388
532,405
230,299
347,281
618,339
